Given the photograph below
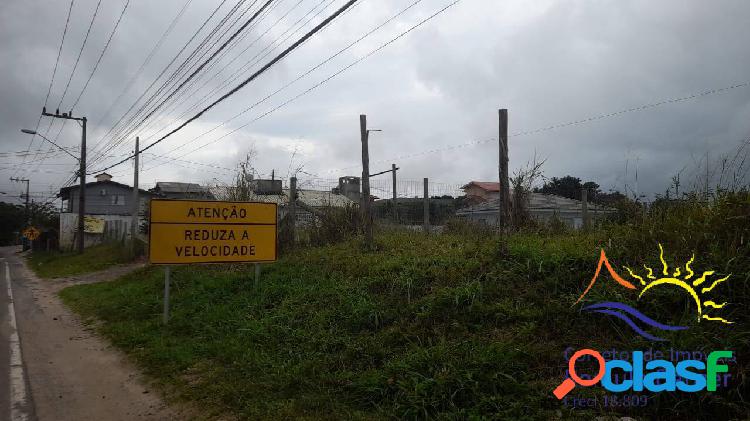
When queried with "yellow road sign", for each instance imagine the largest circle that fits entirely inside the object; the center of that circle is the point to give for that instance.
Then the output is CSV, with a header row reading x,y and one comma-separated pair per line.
x,y
187,231
31,233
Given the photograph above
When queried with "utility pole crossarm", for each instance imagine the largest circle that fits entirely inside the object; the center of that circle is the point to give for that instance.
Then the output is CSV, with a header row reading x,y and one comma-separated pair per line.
x,y
384,172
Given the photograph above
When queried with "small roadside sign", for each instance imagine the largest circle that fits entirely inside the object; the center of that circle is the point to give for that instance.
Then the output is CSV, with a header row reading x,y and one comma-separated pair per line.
x,y
93,225
31,233
188,231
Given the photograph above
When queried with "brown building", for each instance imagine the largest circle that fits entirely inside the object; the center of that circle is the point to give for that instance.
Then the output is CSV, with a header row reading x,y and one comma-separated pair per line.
x,y
481,191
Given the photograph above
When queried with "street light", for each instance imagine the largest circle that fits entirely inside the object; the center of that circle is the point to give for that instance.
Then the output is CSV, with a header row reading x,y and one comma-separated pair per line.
x,y
34,132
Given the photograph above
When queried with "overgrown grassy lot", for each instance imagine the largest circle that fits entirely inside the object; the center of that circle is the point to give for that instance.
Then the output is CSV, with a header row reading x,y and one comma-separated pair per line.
x,y
455,326
55,264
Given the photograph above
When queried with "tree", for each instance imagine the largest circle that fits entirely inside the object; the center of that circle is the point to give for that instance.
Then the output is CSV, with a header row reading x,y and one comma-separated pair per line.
x,y
44,216
570,187
13,222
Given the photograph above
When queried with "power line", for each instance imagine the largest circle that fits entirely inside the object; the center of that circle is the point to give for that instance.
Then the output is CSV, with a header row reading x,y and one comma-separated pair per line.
x,y
93,71
133,128
104,50
80,52
186,65
72,73
54,72
322,82
263,69
301,76
572,123
254,60
129,126
150,55
251,62
208,60
164,70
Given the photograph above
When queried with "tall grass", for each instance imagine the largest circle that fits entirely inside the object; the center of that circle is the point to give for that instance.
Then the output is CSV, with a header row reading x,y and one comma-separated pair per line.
x,y
465,325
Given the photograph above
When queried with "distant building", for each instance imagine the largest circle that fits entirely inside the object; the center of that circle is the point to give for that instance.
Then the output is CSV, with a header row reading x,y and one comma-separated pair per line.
x,y
177,190
541,207
108,203
349,186
316,199
481,191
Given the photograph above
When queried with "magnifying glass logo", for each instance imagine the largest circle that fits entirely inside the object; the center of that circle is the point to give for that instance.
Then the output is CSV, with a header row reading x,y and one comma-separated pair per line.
x,y
568,384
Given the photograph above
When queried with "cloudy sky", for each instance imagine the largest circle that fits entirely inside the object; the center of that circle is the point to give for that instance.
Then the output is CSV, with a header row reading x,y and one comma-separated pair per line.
x,y
434,92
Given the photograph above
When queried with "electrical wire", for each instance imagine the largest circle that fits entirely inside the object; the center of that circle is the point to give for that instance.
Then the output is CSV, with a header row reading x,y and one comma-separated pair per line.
x,y
150,55
262,70
201,100
252,61
104,50
164,70
208,60
54,72
322,82
123,132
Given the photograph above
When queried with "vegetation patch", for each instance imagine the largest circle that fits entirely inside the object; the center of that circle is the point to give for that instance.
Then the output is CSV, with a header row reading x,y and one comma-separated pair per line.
x,y
55,264
450,326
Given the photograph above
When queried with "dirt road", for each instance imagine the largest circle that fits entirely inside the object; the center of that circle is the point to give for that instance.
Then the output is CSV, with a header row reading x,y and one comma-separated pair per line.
x,y
68,372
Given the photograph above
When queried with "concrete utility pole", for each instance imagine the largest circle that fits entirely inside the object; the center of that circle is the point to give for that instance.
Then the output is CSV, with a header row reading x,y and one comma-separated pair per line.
x,y
136,204
395,196
426,200
585,208
364,137
504,202
27,216
81,171
293,209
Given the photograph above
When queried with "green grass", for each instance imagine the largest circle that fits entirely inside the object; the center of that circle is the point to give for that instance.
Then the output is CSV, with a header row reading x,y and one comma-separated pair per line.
x,y
54,264
447,327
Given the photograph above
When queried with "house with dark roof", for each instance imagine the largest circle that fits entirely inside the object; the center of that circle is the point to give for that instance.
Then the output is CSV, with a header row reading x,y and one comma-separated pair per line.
x,y
177,190
541,207
103,197
109,206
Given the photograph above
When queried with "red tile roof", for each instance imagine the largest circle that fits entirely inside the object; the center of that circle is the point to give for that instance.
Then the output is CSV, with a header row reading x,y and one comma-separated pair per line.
x,y
489,186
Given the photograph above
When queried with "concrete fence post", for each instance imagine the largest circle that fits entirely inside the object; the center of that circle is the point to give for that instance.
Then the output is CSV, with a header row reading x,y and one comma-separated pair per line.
x,y
426,222
585,209
292,208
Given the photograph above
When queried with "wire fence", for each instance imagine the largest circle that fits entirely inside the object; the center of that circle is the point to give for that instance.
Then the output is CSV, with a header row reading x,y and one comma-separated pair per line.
x,y
402,203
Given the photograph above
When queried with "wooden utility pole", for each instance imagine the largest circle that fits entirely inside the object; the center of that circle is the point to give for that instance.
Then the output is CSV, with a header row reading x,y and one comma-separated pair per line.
x,y
426,221
292,209
366,214
504,202
136,207
395,195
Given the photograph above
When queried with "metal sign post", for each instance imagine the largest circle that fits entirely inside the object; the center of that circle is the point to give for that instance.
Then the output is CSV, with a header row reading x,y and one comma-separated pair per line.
x,y
167,272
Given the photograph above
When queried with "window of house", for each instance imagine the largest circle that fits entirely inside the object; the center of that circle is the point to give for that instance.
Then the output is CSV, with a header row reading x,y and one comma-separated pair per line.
x,y
117,199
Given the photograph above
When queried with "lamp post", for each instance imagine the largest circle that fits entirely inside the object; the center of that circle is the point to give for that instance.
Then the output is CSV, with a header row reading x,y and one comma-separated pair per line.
x,y
34,132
